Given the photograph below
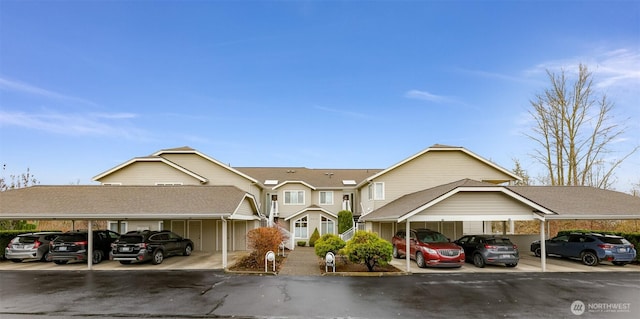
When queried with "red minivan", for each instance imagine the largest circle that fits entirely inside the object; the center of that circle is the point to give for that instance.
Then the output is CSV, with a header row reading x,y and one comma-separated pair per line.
x,y
429,248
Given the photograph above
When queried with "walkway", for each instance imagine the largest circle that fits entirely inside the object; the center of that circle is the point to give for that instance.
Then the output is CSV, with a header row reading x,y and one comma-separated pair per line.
x,y
302,261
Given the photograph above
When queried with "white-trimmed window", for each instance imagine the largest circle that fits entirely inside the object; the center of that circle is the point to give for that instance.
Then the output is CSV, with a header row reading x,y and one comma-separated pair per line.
x,y
327,226
301,227
376,191
326,198
294,197
113,226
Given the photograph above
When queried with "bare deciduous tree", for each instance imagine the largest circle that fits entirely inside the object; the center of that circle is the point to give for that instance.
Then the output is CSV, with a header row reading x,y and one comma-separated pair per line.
x,y
574,131
15,181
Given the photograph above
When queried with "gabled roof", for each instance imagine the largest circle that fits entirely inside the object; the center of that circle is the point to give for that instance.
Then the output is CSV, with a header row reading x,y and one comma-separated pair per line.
x,y
189,150
414,203
552,202
158,159
440,147
328,178
122,202
311,208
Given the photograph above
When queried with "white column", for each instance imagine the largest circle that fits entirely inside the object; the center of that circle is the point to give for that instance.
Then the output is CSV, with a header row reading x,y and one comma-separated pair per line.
x,y
407,247
543,248
224,243
90,244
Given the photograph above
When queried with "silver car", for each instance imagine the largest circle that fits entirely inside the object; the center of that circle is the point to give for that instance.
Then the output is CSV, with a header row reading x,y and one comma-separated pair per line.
x,y
30,246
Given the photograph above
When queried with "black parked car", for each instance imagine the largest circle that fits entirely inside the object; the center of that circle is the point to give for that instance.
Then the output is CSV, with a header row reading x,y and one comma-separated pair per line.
x,y
72,246
489,249
591,248
30,246
140,246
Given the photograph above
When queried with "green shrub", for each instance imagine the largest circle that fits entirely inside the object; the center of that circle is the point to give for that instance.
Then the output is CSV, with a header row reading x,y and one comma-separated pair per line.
x,y
314,237
369,249
302,243
345,221
329,243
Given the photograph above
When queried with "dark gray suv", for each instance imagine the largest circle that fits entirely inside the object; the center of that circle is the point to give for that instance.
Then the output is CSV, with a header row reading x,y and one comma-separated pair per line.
x,y
489,249
139,246
591,248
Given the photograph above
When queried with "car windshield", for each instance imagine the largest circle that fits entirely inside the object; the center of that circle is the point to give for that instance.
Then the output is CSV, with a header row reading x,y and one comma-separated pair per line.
x,y
614,240
130,239
71,238
432,237
499,241
25,239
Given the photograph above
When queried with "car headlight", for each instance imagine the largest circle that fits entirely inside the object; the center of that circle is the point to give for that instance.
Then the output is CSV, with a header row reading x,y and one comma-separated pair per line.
x,y
430,251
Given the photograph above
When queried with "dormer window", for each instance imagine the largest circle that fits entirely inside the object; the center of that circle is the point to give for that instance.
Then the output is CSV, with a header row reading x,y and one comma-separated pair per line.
x,y
376,191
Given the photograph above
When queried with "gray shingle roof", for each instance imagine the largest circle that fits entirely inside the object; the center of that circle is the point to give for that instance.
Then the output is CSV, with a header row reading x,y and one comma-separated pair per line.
x,y
582,201
317,177
107,202
568,202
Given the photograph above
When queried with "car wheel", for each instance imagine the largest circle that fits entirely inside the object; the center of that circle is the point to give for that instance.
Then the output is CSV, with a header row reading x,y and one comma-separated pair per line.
x,y
125,262
511,265
619,263
396,253
45,257
60,262
187,250
97,257
158,257
589,258
420,260
538,252
478,260
16,260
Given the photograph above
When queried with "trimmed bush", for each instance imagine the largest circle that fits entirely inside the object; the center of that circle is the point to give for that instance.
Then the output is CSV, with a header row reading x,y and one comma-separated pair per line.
x,y
329,243
263,239
302,243
369,249
345,221
314,237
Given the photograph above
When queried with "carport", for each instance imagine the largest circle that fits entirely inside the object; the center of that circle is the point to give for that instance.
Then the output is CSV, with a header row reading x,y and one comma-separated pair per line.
x,y
121,203
469,200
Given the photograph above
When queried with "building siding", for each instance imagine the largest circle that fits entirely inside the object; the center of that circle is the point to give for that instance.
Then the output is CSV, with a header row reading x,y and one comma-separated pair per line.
x,y
148,173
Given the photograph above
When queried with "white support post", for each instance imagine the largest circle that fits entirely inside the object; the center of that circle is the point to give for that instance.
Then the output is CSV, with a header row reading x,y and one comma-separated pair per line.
x,y
543,248
224,243
90,244
407,248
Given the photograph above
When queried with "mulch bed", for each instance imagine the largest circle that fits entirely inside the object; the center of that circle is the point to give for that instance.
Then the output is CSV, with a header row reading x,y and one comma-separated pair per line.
x,y
343,265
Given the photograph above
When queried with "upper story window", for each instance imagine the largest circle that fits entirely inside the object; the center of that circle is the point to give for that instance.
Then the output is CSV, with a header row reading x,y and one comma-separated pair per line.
x,y
326,198
376,191
294,197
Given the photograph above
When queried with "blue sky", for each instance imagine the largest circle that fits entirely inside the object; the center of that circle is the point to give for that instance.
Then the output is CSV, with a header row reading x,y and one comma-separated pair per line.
x,y
87,85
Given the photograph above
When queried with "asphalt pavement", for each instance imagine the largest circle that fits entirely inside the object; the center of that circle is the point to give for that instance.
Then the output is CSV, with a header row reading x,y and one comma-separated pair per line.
x,y
216,294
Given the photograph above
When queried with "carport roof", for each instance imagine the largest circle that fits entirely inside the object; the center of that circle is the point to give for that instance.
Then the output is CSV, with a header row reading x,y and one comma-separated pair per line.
x,y
122,202
582,202
552,202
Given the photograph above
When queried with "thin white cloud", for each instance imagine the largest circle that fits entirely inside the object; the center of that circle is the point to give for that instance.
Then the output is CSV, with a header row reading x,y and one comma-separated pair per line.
x,y
16,86
74,124
426,96
612,69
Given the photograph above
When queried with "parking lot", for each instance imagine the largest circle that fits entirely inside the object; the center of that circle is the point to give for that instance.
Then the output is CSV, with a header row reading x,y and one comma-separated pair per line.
x,y
209,261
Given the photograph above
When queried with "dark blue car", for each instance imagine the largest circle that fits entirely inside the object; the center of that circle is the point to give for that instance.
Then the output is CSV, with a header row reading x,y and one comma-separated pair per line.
x,y
591,248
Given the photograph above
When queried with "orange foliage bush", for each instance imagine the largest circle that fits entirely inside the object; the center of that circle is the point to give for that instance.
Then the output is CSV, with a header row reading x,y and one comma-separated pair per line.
x,y
263,239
